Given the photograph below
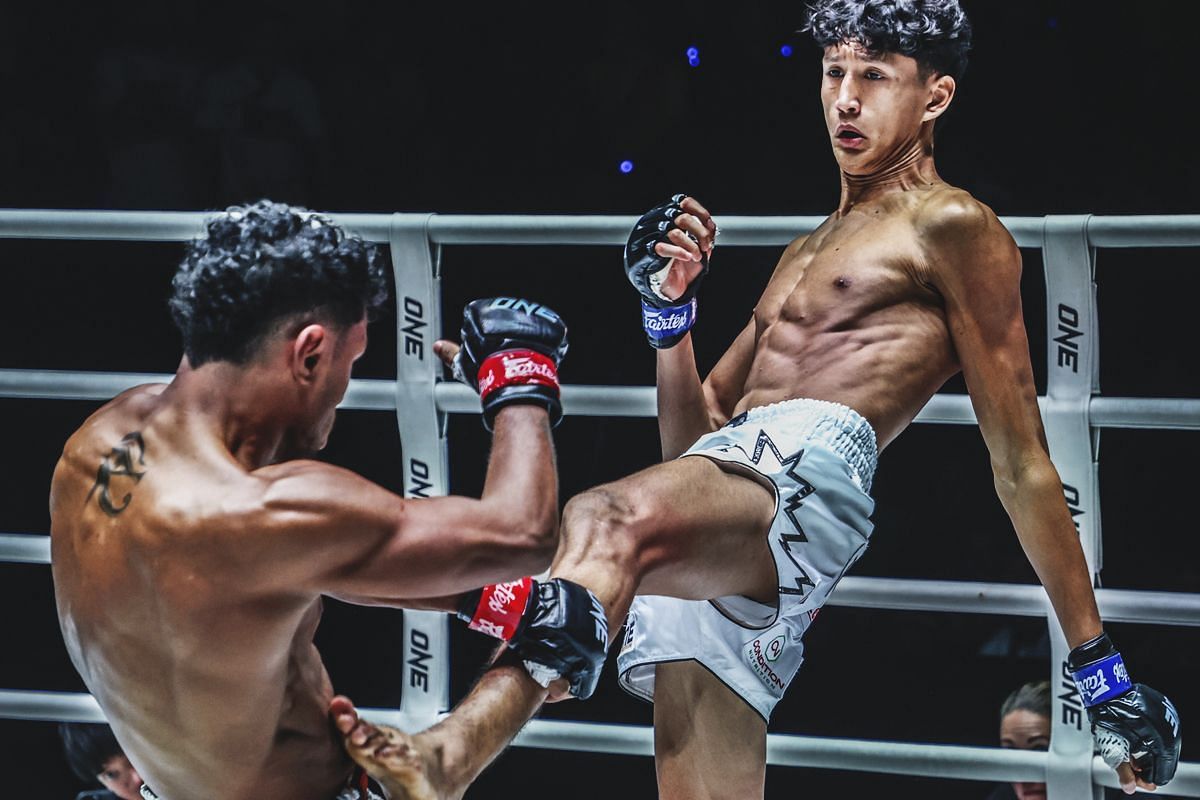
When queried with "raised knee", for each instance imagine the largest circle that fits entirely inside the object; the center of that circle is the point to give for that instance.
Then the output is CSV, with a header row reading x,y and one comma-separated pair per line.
x,y
605,511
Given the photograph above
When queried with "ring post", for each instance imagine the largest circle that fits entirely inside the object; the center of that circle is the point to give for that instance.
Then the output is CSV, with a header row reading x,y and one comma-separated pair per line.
x,y
1072,379
416,265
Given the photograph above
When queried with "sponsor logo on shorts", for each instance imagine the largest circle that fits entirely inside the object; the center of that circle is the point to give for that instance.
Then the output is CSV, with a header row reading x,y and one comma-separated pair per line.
x,y
774,648
760,654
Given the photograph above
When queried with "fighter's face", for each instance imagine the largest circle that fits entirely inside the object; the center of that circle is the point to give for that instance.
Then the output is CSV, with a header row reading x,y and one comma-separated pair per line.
x,y
874,106
1025,730
119,777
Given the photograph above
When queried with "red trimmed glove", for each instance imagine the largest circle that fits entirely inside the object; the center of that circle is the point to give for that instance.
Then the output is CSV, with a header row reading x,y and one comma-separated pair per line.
x,y
511,349
557,627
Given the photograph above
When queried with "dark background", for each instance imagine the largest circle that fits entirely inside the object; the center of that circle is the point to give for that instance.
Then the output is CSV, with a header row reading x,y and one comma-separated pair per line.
x,y
524,107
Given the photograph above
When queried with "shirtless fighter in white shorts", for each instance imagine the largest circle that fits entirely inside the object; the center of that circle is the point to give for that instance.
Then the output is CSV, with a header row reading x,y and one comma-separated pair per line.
x,y
762,502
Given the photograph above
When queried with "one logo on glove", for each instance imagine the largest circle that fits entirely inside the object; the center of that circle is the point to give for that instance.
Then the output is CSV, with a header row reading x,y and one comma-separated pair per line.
x,y
500,608
663,322
1172,716
516,367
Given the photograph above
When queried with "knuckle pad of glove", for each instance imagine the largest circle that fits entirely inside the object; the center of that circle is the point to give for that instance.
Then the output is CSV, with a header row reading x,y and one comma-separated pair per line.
x,y
494,324
562,633
641,260
1146,722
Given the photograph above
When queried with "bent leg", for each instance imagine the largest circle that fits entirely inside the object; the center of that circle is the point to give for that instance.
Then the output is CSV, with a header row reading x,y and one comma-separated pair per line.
x,y
686,529
708,743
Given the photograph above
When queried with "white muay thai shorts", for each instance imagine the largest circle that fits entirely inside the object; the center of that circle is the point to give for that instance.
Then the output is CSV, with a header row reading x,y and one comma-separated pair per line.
x,y
818,458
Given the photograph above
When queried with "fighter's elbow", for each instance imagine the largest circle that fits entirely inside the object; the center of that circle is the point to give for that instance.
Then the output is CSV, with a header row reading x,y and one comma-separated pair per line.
x,y
531,540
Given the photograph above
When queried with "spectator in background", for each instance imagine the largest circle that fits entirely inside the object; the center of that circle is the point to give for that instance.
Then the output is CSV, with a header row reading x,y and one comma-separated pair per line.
x,y
94,756
1025,725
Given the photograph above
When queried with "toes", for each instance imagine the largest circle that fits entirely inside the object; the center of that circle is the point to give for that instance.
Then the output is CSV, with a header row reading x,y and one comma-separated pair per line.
x,y
343,713
363,734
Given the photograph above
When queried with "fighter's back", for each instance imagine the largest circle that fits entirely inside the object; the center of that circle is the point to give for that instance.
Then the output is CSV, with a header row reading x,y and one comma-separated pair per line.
x,y
162,617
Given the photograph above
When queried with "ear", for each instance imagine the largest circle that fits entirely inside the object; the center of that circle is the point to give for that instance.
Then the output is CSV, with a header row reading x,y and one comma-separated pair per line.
x,y
309,352
941,92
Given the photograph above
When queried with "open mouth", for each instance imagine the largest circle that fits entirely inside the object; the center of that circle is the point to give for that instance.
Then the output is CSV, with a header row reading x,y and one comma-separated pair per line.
x,y
850,136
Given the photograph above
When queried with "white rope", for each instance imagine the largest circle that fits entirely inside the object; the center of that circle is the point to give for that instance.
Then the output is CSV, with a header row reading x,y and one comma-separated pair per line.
x,y
1089,412
1181,230
896,594
367,394
860,755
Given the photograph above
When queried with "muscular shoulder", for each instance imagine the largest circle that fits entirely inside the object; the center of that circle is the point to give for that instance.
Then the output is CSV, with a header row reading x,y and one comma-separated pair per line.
x,y
304,493
952,213
956,231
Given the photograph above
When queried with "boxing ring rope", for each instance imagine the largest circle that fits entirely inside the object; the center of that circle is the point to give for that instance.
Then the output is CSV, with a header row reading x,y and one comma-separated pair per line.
x,y
1073,413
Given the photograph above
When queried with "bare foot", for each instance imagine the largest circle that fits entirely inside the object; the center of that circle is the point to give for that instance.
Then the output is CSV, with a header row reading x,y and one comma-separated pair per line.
x,y
390,756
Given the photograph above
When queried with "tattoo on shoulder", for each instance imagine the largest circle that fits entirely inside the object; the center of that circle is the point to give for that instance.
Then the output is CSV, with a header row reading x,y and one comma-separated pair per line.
x,y
122,461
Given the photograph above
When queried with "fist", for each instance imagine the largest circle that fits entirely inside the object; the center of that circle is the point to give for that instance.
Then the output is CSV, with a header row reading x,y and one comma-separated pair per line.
x,y
511,349
668,249
665,259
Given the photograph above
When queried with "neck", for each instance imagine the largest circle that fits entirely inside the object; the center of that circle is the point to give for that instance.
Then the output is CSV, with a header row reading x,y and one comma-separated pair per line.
x,y
910,166
240,405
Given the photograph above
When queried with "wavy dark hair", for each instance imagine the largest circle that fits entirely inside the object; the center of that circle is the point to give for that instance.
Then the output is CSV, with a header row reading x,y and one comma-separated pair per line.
x,y
258,265
936,33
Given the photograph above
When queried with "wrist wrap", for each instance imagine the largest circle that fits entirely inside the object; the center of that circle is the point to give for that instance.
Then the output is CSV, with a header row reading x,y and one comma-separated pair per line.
x,y
666,326
1098,671
516,367
496,610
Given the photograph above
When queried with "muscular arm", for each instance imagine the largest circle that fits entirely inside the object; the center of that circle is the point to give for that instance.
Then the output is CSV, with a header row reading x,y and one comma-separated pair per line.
x,y
326,530
976,266
687,408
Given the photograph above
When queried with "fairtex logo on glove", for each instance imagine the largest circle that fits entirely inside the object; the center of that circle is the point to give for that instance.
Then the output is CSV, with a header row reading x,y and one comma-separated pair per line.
x,y
663,322
516,367
500,608
1102,681
523,367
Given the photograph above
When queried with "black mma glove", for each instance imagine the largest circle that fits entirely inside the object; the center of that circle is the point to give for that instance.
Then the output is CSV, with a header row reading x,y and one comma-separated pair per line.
x,y
557,627
511,349
1130,721
665,321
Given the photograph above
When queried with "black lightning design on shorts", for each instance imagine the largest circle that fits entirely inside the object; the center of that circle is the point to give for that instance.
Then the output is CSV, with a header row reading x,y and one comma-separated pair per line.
x,y
791,505
120,461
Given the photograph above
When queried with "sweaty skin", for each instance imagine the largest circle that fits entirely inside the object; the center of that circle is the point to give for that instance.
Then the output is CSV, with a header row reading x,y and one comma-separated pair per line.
x,y
907,282
191,549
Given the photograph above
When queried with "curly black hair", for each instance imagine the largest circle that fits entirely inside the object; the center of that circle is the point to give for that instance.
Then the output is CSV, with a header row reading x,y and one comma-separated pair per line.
x,y
259,264
936,33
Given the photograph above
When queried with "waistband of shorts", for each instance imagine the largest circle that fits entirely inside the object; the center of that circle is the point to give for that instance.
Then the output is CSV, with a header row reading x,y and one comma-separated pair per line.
x,y
837,427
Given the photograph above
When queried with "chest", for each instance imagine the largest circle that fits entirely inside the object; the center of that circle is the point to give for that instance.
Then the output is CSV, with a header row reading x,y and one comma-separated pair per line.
x,y
845,269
